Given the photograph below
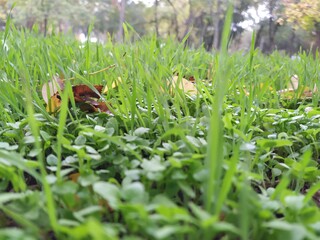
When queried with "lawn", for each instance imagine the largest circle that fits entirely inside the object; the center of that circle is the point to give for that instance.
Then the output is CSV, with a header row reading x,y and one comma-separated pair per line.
x,y
235,158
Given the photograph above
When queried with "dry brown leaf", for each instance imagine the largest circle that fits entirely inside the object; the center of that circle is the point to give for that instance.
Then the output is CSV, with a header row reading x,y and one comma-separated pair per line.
x,y
83,91
100,107
182,83
191,79
74,176
87,99
84,96
92,105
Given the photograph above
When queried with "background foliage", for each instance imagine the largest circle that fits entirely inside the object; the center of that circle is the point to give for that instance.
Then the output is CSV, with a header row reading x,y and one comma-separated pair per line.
x,y
283,25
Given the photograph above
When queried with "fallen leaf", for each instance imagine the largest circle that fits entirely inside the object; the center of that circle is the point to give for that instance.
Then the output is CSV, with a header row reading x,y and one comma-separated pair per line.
x,y
262,87
113,85
294,90
183,84
101,106
83,91
51,88
54,103
294,83
74,176
191,79
85,97
91,106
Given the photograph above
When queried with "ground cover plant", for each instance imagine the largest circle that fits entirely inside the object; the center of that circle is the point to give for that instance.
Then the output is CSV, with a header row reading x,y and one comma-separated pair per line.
x,y
235,159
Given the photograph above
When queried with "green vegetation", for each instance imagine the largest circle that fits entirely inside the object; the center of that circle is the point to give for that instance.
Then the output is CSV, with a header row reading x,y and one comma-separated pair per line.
x,y
141,173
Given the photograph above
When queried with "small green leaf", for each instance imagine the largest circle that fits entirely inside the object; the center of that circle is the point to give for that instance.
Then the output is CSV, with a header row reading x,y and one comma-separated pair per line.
x,y
153,165
247,147
187,189
294,202
34,152
66,187
52,160
194,141
99,128
109,192
80,215
87,180
6,146
130,138
6,197
80,140
276,172
274,143
134,192
140,131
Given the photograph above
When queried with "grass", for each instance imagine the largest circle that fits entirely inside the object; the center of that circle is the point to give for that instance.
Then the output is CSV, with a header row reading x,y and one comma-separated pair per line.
x,y
141,173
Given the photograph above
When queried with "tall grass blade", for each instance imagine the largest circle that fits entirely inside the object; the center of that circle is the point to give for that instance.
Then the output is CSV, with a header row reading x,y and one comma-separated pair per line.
x,y
215,156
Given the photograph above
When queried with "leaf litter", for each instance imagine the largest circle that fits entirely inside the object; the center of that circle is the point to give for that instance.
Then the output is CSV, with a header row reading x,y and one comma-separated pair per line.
x,y
86,98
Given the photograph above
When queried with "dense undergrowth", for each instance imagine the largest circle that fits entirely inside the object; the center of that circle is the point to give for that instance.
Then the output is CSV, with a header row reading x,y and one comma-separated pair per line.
x,y
144,172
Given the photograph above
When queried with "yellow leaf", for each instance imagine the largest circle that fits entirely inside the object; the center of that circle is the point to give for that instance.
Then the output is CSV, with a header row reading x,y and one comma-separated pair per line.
x,y
54,103
262,87
114,85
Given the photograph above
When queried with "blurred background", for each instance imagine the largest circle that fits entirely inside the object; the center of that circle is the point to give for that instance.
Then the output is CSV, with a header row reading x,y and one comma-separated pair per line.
x,y
284,25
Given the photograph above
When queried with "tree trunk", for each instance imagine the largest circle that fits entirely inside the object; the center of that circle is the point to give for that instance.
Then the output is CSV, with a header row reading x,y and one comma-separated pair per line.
x,y
189,22
45,10
272,26
316,46
156,19
45,24
292,46
259,36
122,10
175,20
216,22
203,28
271,35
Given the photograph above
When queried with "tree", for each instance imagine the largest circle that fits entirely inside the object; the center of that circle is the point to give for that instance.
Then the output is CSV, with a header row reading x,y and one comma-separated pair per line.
x,y
3,12
44,12
174,19
122,8
272,6
202,19
156,19
218,11
304,14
